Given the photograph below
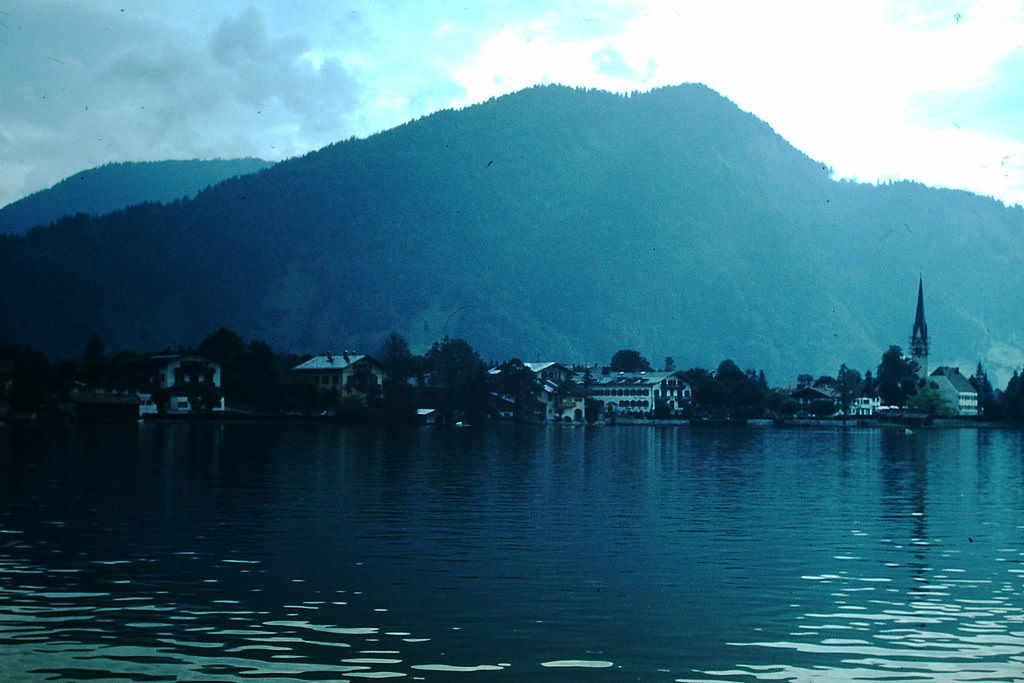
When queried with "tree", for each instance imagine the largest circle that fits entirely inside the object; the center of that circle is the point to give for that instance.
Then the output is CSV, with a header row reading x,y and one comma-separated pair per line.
x,y
986,394
628,360
30,385
1012,400
848,383
222,346
745,397
927,399
399,397
227,348
94,360
517,381
260,377
897,377
397,359
458,379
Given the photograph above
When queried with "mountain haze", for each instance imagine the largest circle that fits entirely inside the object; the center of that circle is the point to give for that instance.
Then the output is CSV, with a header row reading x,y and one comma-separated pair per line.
x,y
554,223
112,187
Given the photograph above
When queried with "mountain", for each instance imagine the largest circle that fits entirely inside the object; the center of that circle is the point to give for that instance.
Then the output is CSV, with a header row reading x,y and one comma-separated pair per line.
x,y
112,187
553,223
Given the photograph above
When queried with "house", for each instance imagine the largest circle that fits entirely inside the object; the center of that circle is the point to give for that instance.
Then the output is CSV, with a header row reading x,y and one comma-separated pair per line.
x,y
567,402
187,382
550,372
820,399
865,406
343,373
553,398
502,406
956,389
638,394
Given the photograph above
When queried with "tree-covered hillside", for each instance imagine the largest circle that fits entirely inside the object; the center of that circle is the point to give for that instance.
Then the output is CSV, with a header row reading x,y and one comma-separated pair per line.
x,y
553,223
112,187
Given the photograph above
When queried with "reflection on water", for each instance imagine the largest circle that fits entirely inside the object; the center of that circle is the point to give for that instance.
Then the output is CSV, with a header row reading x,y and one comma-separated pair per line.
x,y
242,552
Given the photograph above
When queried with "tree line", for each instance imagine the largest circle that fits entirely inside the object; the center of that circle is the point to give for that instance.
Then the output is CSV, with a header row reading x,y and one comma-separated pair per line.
x,y
453,378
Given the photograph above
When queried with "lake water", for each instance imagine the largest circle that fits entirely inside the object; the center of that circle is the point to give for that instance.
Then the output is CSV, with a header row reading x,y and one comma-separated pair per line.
x,y
241,552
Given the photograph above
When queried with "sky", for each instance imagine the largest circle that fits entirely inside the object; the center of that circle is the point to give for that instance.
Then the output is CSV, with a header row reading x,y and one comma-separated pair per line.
x,y
879,90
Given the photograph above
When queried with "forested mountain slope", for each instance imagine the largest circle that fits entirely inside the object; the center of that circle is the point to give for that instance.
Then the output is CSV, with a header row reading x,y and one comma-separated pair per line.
x,y
553,223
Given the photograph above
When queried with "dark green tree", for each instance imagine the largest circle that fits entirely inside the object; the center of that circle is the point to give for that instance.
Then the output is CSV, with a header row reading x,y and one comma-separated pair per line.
x,y
848,384
1012,401
927,399
261,376
94,360
987,402
628,360
458,380
31,384
227,348
781,404
395,356
710,397
745,397
897,377
517,381
400,397
223,346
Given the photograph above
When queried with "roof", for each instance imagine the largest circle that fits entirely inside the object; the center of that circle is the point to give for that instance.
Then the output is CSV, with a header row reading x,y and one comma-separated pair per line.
x,y
822,391
632,378
953,376
542,366
183,356
334,362
105,397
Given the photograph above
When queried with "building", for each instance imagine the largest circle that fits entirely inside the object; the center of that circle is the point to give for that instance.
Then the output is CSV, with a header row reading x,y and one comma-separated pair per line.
x,y
919,334
957,390
821,399
557,399
865,406
186,382
98,405
344,373
641,394
549,371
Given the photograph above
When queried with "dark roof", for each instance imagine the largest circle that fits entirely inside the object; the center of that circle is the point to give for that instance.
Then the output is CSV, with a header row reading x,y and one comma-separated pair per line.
x,y
959,382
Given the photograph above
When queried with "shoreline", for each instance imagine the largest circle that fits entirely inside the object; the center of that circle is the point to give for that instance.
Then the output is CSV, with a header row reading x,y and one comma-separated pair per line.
x,y
914,422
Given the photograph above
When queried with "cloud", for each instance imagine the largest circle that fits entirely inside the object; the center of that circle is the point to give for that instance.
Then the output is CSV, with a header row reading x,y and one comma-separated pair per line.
x,y
872,88
135,87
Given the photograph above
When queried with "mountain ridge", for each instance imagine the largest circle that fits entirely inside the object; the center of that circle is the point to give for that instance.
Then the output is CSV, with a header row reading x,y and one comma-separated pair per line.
x,y
115,186
553,223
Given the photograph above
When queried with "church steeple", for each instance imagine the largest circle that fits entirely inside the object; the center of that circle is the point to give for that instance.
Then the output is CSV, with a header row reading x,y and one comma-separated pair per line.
x,y
919,335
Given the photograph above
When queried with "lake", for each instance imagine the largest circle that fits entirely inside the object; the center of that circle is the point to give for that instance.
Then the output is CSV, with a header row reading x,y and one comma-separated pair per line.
x,y
234,552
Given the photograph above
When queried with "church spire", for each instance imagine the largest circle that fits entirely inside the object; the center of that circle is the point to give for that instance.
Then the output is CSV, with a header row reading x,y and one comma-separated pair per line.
x,y
919,335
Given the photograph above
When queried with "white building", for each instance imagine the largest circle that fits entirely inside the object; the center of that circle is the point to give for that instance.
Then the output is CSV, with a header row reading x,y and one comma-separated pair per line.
x,y
957,390
191,382
637,394
865,406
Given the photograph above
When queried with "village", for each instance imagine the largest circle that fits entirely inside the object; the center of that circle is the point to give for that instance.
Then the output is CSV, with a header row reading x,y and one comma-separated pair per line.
x,y
451,384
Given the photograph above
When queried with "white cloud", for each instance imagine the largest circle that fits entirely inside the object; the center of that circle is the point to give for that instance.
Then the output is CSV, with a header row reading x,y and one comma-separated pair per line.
x,y
875,89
